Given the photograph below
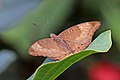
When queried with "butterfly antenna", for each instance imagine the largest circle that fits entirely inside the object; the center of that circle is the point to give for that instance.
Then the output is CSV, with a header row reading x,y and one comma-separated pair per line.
x,y
39,26
35,24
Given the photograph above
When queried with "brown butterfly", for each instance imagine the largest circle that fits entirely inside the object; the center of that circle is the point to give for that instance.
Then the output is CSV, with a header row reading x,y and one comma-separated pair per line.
x,y
70,41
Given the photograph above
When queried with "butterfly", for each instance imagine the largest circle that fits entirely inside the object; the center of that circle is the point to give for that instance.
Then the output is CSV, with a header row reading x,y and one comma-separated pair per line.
x,y
68,42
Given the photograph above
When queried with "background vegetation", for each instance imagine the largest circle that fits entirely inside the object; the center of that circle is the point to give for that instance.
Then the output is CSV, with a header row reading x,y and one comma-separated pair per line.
x,y
17,33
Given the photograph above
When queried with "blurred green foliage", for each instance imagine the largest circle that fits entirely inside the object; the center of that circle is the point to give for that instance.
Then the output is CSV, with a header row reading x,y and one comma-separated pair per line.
x,y
49,16
55,16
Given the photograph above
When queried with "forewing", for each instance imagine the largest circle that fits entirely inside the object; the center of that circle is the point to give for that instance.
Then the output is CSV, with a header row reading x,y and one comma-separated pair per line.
x,y
79,36
47,48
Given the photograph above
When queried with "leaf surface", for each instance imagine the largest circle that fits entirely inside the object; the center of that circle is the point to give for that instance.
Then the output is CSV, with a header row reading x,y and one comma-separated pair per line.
x,y
51,70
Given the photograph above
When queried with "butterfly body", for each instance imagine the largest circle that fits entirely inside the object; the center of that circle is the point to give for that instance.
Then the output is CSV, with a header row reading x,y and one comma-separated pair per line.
x,y
61,43
70,41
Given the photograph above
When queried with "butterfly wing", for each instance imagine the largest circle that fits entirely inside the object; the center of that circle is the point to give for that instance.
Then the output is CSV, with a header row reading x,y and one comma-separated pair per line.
x,y
47,48
79,36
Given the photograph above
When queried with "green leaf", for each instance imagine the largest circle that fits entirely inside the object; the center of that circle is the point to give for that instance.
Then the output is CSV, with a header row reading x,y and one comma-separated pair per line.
x,y
51,70
101,43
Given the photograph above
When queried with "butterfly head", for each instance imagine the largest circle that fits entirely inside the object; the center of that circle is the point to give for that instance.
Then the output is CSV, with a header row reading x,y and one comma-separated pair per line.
x,y
55,37
52,35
